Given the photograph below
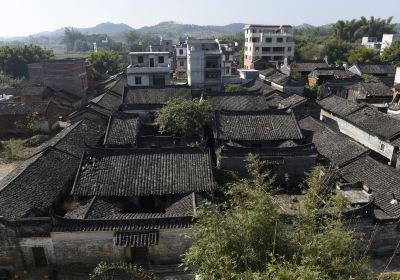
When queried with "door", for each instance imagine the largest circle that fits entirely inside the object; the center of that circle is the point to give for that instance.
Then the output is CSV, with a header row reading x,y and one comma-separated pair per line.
x,y
159,81
151,62
138,255
39,256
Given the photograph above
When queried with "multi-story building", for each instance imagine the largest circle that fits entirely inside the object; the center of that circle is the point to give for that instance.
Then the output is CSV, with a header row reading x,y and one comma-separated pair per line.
x,y
204,64
228,62
272,43
371,43
181,61
388,39
148,69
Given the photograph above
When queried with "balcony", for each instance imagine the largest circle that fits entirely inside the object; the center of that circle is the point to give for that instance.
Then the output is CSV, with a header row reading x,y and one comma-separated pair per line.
x,y
147,70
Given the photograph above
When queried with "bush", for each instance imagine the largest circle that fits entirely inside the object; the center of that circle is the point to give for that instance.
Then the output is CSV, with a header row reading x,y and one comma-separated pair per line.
x,y
13,149
234,88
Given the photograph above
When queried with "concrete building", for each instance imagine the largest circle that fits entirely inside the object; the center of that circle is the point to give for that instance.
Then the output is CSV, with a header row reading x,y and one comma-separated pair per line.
x,y
69,74
371,43
204,58
273,43
181,61
148,69
388,39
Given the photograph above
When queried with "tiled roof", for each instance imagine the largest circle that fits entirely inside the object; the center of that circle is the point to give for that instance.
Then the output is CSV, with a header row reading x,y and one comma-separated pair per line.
x,y
376,68
19,108
254,126
156,95
75,138
372,89
281,151
291,101
339,106
122,130
108,100
376,122
144,172
334,72
333,145
307,66
259,86
136,239
238,102
37,183
382,179
34,90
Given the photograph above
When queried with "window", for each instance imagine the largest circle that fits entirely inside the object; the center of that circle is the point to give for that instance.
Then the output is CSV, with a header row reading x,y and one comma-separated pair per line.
x,y
266,49
256,40
227,57
382,147
257,49
268,40
138,80
181,51
279,40
140,59
181,63
227,70
254,31
289,49
160,59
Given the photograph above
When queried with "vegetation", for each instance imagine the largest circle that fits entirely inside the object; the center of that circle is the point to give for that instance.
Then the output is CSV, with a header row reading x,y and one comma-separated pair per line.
x,y
14,59
12,150
102,269
392,53
185,117
336,50
362,54
134,38
245,237
353,30
369,78
307,48
105,62
7,81
234,88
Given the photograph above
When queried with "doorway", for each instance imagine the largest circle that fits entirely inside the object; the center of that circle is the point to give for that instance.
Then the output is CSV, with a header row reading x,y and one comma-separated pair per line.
x,y
151,62
138,255
39,256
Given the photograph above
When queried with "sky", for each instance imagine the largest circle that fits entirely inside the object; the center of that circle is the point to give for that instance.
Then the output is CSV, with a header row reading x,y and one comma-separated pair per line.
x,y
26,17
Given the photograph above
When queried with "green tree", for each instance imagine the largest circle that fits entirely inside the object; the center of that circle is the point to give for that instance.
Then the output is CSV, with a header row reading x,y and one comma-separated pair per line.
x,y
105,62
131,38
392,53
234,88
241,57
235,239
184,117
106,271
362,54
7,81
14,59
71,35
336,50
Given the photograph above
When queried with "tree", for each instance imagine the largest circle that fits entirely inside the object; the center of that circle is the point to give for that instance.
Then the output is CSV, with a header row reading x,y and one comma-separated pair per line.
x,y
235,239
336,50
71,35
106,271
184,117
105,62
353,30
241,57
362,54
7,81
234,88
131,37
14,59
392,53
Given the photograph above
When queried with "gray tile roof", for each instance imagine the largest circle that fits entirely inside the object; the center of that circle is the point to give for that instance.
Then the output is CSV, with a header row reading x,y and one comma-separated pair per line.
x,y
292,101
339,106
376,122
307,66
75,138
375,68
108,100
156,95
144,172
19,108
333,145
238,102
372,89
383,180
37,183
256,126
337,73
122,129
259,86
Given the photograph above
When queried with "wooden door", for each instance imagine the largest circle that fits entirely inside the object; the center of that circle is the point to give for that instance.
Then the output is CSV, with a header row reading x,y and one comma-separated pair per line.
x,y
39,256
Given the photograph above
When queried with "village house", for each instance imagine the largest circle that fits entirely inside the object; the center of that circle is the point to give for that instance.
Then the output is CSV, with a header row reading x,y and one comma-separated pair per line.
x,y
281,81
69,74
384,71
273,134
374,93
181,61
320,76
273,43
301,106
366,125
300,69
371,43
388,39
204,60
148,69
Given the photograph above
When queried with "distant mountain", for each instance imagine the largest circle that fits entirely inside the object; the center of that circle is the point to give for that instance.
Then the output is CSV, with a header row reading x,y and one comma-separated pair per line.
x,y
174,30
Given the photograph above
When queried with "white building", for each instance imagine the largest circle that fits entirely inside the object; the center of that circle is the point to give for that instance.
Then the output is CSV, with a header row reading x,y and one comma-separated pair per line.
x,y
272,43
388,39
148,69
371,43
204,64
